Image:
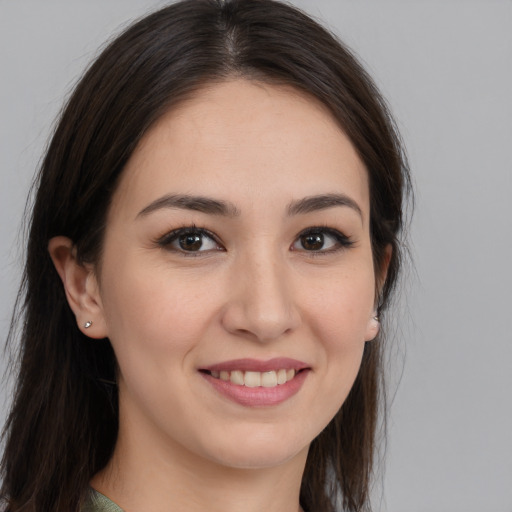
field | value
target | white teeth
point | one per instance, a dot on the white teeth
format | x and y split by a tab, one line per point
237	377
249	379
252	379
269	379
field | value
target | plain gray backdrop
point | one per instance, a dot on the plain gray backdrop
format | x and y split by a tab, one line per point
445	68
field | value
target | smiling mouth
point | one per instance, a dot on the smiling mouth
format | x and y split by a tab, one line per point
252	379
257	383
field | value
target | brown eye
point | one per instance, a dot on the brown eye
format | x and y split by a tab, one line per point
321	240
312	241
190	242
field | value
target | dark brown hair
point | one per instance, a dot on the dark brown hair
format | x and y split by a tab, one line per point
63	424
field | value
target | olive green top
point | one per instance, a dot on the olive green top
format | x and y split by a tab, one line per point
97	502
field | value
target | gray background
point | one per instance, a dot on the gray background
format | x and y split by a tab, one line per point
445	67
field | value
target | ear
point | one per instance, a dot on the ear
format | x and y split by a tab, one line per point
81	287
381	273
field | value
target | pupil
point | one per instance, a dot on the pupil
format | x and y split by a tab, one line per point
313	242
190	242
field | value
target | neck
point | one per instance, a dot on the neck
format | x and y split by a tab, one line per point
142	477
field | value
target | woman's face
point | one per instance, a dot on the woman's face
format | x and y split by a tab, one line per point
236	283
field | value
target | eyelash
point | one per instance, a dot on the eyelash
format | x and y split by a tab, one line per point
342	241
165	241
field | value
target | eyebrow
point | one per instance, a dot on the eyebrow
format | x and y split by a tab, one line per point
195	203
322	202
227	209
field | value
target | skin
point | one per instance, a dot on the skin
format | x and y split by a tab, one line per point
252	291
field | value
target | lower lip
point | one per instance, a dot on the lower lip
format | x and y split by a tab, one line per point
260	396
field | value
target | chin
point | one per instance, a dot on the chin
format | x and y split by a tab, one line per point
259	451
258	459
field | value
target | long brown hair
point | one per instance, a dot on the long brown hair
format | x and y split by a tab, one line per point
63	424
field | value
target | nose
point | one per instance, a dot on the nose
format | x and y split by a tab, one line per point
261	305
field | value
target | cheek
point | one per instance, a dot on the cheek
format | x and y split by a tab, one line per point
339	315
140	291
341	306
155	323
151	315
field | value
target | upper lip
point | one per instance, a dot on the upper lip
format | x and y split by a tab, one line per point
256	365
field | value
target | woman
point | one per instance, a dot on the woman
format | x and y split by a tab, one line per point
213	244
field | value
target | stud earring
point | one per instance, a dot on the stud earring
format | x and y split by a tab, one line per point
87	324
373	328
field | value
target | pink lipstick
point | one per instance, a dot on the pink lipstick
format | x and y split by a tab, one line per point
252	382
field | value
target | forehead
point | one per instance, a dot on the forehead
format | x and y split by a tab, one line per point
241	140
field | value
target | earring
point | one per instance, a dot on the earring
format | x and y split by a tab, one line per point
87	324
373	327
